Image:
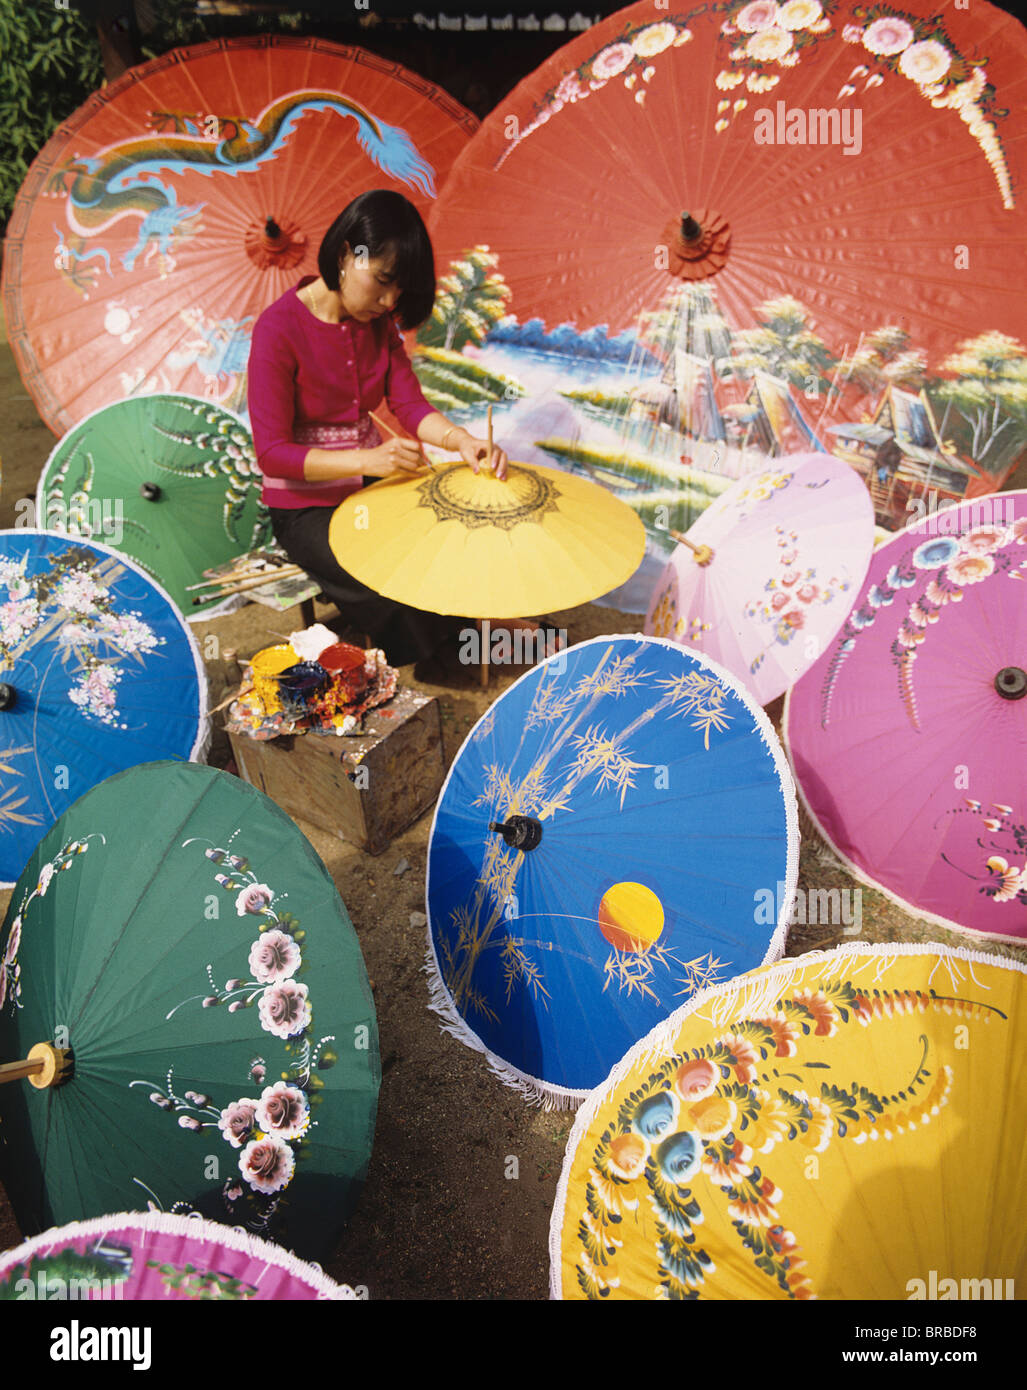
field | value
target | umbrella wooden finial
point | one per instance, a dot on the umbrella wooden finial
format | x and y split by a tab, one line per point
690	228
698	242
1011	683
273	244
45	1066
8	695
701	554
521	832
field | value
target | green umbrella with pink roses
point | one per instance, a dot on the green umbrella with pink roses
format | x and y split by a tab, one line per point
209	1036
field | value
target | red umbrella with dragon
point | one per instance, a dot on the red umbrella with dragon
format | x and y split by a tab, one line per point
176	204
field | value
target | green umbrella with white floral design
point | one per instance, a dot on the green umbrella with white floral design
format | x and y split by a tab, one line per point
169	480
210	1036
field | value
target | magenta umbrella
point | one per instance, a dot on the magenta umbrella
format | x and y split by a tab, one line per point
909	736
156	1256
764	579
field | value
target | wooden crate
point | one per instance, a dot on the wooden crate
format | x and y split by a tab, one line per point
366	789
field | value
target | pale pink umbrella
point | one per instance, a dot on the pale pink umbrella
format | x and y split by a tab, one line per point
765	578
909	736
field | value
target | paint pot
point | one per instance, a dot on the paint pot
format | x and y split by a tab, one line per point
300	684
265	666
346	666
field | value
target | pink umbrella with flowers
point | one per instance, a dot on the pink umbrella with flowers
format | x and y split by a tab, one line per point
152	1256
764	579
909	736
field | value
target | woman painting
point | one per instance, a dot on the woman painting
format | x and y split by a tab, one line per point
322	357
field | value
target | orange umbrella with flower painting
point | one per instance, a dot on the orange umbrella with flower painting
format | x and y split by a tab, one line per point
760	1143
754	229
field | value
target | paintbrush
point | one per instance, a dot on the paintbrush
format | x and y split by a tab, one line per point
396	435
258	582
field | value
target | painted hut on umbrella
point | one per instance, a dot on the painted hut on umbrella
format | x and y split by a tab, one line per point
903	457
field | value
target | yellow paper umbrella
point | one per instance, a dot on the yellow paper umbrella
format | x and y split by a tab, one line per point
463	543
834	1126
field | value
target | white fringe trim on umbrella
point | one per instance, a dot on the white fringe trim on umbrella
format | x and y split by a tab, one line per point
532	1088
196	1228
747	996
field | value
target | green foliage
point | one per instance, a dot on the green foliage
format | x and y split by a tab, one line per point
44	1271
469	302
49	65
984	409
442	400
173	24
783	345
451	383
498	386
665	496
592	399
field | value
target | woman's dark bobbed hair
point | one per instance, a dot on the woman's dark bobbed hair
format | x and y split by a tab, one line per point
388	226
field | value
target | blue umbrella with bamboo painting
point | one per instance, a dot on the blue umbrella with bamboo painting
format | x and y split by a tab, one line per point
98	672
617	832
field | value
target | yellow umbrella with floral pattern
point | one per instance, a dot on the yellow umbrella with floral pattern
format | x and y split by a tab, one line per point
833	1126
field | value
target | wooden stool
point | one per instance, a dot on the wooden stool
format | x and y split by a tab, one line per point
366	788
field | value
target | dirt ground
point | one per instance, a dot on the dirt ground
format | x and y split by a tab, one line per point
438	1218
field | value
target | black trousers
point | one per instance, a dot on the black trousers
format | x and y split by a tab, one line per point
405	634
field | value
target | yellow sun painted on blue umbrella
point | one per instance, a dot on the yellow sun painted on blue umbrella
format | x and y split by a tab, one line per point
631	917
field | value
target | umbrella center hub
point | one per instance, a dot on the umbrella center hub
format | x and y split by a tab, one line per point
697	244
520	832
455	494
275	244
8	696
1011	683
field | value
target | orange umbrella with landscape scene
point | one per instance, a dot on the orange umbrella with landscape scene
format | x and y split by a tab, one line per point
724	234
